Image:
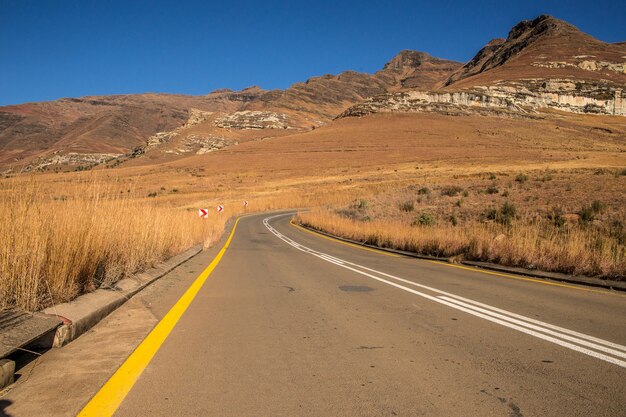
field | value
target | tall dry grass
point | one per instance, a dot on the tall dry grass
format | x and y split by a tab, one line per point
64	237
572	250
52	250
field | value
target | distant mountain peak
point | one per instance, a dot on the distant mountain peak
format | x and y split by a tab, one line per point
541	47
542	25
408	59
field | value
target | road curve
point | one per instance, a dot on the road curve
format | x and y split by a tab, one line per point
290	323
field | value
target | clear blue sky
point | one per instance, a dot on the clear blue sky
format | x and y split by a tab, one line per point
71	48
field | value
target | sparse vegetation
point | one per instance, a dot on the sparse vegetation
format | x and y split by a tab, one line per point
451	190
425	218
407	206
492	189
521	178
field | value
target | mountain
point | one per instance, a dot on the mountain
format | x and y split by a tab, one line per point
545	47
90	130
413	69
544	64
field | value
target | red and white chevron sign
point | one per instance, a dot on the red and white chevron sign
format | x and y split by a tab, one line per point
245	203
220	208
203	213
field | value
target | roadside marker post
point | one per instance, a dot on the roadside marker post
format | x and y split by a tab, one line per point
203	213
220	208
245	204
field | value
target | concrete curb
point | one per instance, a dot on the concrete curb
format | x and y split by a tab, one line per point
7	372
553	276
86	311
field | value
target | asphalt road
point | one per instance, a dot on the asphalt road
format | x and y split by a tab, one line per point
290	323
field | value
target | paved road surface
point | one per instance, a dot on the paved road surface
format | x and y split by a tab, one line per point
293	324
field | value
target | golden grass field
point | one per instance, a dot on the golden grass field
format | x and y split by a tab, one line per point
67	233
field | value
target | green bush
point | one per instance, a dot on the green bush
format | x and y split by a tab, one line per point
423	191
521	178
425	218
504	215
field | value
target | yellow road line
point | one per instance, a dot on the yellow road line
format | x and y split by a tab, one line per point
521	278
108	399
382	252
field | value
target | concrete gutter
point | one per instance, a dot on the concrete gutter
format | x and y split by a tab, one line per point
86	311
60	324
554	276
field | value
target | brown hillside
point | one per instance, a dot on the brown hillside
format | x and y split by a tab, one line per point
114	125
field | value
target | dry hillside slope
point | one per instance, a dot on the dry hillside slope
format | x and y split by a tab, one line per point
91	130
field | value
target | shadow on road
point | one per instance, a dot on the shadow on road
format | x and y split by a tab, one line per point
3	405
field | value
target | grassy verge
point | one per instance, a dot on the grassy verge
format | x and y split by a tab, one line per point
60	238
52	250
522	242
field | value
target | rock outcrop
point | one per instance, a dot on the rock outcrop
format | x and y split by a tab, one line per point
254	120
516	99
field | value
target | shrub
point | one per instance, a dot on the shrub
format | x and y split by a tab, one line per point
504	215
360	204
453	220
465	193
597	206
492	176
586	214
507	212
423	191
491	213
407	206
505	193
521	178
425	218
153	194
556	217
492	189
451	191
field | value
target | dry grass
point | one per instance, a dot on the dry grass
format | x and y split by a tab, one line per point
64	234
524	242
88	232
53	250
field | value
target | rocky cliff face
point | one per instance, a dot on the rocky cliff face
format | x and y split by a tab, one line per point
413	69
515	99
255	120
